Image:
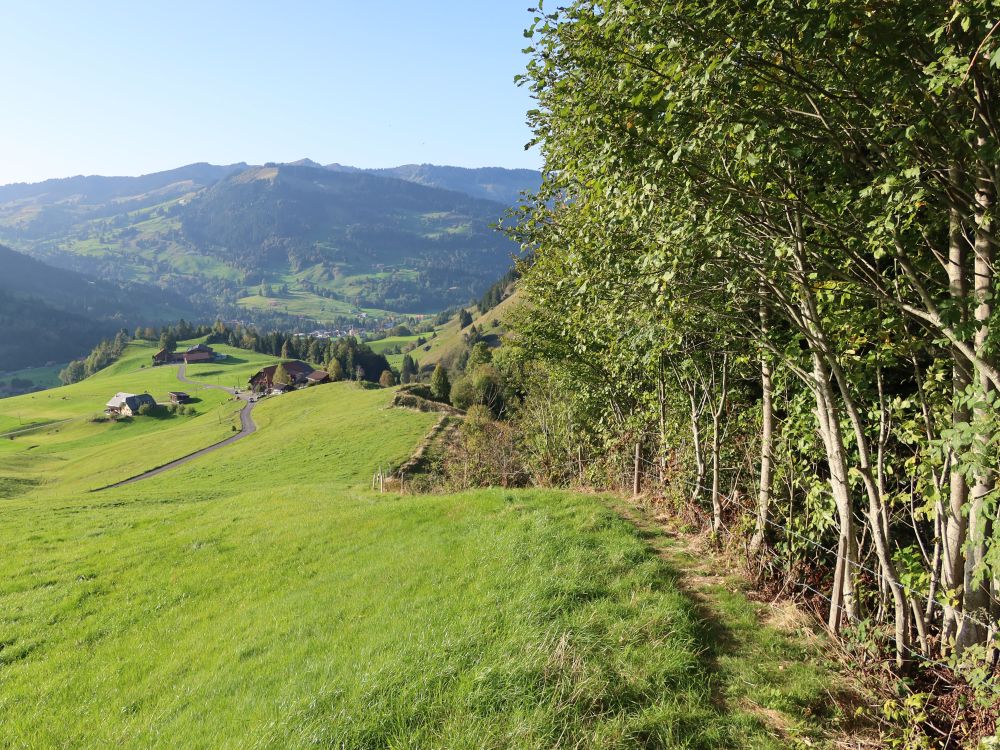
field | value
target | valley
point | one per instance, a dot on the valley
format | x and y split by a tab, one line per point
287	244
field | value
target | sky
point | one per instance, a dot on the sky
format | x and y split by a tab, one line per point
125	88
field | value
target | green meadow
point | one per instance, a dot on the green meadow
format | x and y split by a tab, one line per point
263	596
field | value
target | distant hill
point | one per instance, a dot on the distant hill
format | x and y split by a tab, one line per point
490	183
33	333
52	314
36	209
279	241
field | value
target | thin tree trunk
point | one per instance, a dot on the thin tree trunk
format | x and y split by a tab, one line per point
760	534
954	521
976	601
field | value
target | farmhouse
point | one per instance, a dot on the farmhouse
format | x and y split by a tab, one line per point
199	353
165	357
196	353
263	380
128	404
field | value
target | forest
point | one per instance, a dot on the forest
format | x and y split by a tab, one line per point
761	289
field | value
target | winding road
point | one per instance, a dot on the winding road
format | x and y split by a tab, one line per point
247	427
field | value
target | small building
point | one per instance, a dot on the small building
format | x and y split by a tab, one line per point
128	404
178	397
317	376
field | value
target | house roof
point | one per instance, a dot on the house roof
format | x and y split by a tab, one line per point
132	400
200	348
176	393
119	399
135	401
318	375
295	368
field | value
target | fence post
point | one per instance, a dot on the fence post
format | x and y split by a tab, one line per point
635	479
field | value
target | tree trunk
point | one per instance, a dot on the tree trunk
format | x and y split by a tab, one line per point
764	487
953	519
976	601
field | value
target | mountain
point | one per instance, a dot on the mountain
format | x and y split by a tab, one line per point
489	183
384	242
52	314
36	209
280	242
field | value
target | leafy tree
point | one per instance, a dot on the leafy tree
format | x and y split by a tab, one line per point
335	369
387	379
462	395
480	355
281	375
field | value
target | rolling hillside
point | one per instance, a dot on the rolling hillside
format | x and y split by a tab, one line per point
263	595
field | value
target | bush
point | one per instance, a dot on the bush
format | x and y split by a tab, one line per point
387	379
145	410
462	396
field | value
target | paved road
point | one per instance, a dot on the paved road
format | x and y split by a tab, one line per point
246	423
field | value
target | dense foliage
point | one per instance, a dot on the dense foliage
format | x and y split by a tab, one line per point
763	273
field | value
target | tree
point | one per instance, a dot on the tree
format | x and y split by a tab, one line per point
440	385
387	379
281	376
335	369
168	341
462	394
464	318
409	369
480	355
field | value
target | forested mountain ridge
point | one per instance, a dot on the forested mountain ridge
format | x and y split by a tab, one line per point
280	239
36	209
428	247
51	314
491	183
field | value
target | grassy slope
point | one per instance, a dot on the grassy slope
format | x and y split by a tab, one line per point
262	596
448	343
76	452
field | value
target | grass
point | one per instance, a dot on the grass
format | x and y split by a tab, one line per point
263	596
76	452
40	377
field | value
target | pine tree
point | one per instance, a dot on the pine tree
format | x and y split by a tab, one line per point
464	319
440	385
409	369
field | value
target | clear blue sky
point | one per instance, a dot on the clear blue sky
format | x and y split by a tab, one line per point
135	87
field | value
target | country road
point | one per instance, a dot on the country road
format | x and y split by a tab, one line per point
247	427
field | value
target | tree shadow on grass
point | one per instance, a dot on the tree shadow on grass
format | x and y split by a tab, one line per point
775	675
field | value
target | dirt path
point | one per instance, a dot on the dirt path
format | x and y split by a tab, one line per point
247	427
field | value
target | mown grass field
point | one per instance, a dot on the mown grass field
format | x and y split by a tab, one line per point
263	596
